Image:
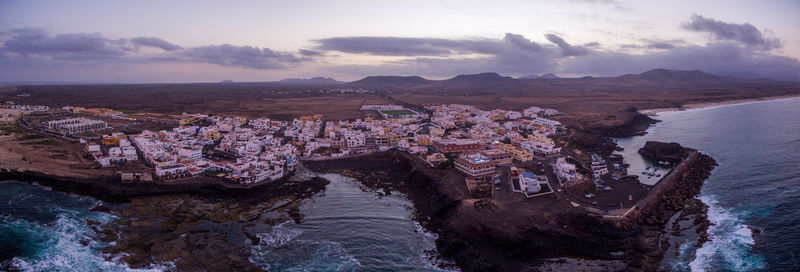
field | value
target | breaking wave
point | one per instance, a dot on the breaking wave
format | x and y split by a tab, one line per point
279	236
729	245
41	230
278	250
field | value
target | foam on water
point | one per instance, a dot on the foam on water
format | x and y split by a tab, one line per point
279	236
279	250
348	228
730	245
63	243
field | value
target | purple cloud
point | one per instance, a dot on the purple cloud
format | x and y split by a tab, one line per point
155	42
35	43
744	33
567	49
241	56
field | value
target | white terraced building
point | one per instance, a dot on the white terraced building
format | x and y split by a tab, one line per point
76	125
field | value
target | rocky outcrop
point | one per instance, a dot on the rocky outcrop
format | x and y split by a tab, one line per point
521	243
111	189
663	152
677	196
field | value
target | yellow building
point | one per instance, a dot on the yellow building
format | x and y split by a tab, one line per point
241	120
497	115
213	135
422	140
519	154
540	138
188	120
112	139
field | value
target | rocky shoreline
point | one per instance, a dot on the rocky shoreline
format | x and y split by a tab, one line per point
162	219
530	243
111	189
179	224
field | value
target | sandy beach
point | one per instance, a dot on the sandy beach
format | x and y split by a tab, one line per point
690	106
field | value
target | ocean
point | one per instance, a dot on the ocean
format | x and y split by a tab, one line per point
348	228
754	193
344	228
42	230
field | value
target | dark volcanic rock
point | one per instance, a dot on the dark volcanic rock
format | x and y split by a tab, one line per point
666	152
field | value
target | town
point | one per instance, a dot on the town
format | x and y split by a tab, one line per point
497	151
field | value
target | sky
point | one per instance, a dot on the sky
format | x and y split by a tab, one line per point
209	41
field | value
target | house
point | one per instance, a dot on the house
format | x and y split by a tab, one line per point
518	153
475	165
541	149
171	171
458	145
497	156
76	125
599	166
565	171
190	153
436	158
532	112
529	183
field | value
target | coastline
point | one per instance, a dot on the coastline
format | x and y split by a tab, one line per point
473	240
703	105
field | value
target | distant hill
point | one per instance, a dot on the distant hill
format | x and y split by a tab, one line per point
663	75
490	82
531	76
392	80
481	78
309	81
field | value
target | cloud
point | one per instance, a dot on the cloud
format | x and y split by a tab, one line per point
241	56
442	57
722	58
522	42
309	53
592	44
744	33
32	50
515	54
155	42
660	45
388	46
36	42
28	44
567	49
404	46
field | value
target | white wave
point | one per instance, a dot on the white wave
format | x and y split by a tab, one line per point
69	246
305	255
729	245
279	236
429	255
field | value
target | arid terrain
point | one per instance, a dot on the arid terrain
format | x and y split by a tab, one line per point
593	101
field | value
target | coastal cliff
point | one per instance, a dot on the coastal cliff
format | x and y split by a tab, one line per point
501	242
474	240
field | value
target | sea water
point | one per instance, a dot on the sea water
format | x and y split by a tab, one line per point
344	228
42	230
348	228
755	188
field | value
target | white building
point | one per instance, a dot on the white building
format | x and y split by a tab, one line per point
76	125
564	170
